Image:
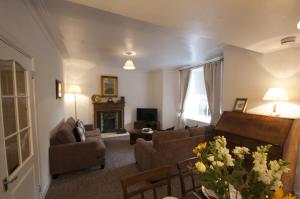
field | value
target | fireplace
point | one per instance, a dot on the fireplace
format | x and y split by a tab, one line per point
109	116
108	121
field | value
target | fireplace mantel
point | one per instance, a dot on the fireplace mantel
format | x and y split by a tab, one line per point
101	108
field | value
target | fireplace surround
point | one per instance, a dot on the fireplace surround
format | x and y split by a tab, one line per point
109	115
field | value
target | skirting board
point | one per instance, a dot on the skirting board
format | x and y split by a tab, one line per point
45	189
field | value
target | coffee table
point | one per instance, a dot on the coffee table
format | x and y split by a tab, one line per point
137	133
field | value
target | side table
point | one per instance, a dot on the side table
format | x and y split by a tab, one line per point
137	133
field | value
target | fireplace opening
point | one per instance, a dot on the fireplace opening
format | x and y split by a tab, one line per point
108	121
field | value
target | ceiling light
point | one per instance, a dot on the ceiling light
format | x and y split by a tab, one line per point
298	25
129	65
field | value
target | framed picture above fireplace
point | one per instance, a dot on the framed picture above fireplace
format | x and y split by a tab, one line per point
109	86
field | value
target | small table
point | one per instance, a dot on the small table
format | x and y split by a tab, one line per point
138	133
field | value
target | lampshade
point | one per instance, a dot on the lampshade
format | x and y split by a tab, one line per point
129	65
276	94
298	25
74	89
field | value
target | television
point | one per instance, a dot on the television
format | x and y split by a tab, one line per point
146	114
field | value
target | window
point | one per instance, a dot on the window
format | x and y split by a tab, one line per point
196	104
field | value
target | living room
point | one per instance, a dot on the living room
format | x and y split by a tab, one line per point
78	43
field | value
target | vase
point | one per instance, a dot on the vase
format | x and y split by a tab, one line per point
234	194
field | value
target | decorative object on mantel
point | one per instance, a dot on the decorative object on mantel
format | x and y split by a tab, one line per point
224	176
110	100
58	89
240	105
75	90
109	86
96	98
275	95
109	116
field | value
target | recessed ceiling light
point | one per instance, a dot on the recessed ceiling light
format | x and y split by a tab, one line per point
298	25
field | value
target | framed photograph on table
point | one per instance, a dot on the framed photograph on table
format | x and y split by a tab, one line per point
240	105
109	86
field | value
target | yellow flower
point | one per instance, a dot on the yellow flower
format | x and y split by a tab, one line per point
195	151
200	167
279	194
201	146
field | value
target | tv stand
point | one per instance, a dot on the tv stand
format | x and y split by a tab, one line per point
154	125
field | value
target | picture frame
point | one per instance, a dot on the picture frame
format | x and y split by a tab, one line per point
109	86
58	89
240	105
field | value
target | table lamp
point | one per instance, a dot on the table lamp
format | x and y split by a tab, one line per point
75	90
275	95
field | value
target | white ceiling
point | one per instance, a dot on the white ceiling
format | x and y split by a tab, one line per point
170	33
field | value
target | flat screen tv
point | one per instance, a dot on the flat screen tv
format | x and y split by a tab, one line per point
146	114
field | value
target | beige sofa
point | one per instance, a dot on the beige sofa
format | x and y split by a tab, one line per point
168	147
67	155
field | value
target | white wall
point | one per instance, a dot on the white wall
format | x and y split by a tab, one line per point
164	89
249	74
133	85
17	22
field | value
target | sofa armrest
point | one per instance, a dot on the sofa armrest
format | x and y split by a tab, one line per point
144	153
73	156
89	127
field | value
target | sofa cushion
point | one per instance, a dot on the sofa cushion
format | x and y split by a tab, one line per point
79	134
80	124
93	133
71	122
64	135
204	130
160	137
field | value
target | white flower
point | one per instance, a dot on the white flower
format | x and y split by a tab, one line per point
211	158
240	152
218	163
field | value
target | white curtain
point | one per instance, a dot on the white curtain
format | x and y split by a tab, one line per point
184	82
213	85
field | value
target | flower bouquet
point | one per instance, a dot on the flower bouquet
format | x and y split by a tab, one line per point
224	176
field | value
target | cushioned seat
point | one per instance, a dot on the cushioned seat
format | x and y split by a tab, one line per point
67	155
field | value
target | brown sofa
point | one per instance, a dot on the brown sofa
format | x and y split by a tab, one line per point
67	155
168	147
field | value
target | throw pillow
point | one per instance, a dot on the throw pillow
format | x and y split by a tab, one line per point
76	134
80	124
79	134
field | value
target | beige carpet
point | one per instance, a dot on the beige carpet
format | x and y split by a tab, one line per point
102	184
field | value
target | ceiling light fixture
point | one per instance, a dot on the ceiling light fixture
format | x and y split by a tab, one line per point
298	25
129	65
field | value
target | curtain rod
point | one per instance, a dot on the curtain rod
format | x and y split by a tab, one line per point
200	65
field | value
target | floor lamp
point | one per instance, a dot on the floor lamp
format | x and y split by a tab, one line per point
74	90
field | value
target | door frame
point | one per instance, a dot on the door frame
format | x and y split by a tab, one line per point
12	43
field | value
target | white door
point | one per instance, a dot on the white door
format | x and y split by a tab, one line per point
17	163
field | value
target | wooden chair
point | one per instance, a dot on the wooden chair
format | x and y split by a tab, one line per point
158	177
185	173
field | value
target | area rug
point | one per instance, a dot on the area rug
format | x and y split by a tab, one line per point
102	184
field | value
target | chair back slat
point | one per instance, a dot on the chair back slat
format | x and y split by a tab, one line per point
185	173
158	177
